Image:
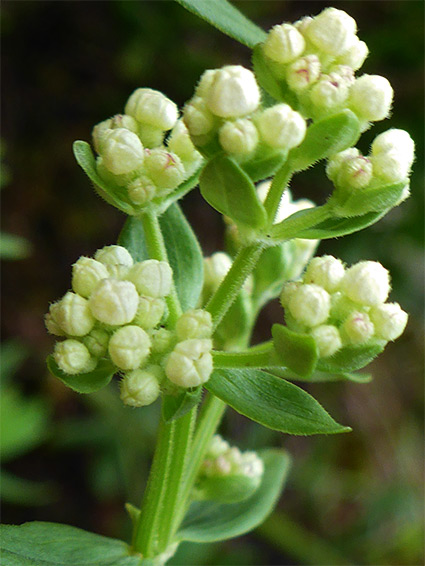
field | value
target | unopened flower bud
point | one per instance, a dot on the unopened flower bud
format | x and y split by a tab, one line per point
139	388
303	72
195	323
357	328
239	137
284	43
288	290
371	97
281	127
309	305
122	151
335	162
329	92
129	346
302	24
356	55
251	465
325	271
356	173
215	269
142	190
72	357
332	31
101	130
164	168
217	446
393	152
389	320
149	312
114	255
86	275
152	278
327	338
233	92
162	340
73	315
179	142
197	117
51	321
114	302
190	363
97	342
152	107
366	283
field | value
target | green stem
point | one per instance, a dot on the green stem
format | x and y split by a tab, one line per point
292	227
259	357
277	188
157	250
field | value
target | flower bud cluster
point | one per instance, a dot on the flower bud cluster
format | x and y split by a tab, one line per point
133	153
316	58
341	307
223	460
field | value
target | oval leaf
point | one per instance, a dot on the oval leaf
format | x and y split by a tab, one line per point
372	199
296	351
175	406
272	402
208	521
261	168
132	237
351	358
84	382
228	189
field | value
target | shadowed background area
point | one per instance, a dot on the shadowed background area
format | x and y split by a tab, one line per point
351	499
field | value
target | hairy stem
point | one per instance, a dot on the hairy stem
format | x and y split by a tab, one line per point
259	357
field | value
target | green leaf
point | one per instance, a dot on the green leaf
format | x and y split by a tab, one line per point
272	402
351	358
209	522
52	544
12	355
114	195
132	237
19	491
228	189
236	325
267	79
13	246
84	382
379	199
296	351
225	17
175	406
263	167
226	489
321	376
324	138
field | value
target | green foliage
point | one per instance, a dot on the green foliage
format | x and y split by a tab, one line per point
379	198
13	246
226	489
296	351
84	382
175	406
351	358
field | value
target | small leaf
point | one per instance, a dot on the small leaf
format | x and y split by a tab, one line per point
272	402
132	237
53	544
209	521
324	138
237	323
225	17
228	189
226	489
296	351
351	358
263	167
372	199
84	382
175	406
20	491
277	89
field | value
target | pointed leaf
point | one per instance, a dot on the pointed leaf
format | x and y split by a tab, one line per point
276	88
372	199
272	402
351	358
208	521
132	237
296	351
263	167
175	406
84	382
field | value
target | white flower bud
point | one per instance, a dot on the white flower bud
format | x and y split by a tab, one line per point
217	447
303	72
101	130
335	162
114	302
51	320
215	269
302	24
73	315
129	346
97	342
330	91
195	323
139	388
328	339
233	92
393	152
164	168
190	363
142	190
152	107
325	271
239	137
114	255
86	275
356	55
122	151
332	31
251	465
284	43
288	290
197	117
205	82
281	127
371	97
367	283
356	173
149	312
309	304
357	329
152	278
389	320
179	142
162	340
72	357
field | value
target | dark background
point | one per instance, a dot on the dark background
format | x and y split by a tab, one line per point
66	66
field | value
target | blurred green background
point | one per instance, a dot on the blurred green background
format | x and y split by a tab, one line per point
351	499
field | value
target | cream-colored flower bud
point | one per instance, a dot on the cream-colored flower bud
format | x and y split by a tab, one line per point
73	315
281	127
205	82
356	55
239	137
371	97
99	133
303	72
309	304
86	275
356	172
190	363
164	168
389	320
251	465
114	255
152	278
288	290
357	328
179	142
215	269
197	117
149	312
97	342
335	162
162	340
328	339
72	357
367	283
284	43
302	24
152	107
122	151
195	323
393	153
332	31
217	447
129	346
51	320
233	92
141	190
139	388
114	302
325	271
331	91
